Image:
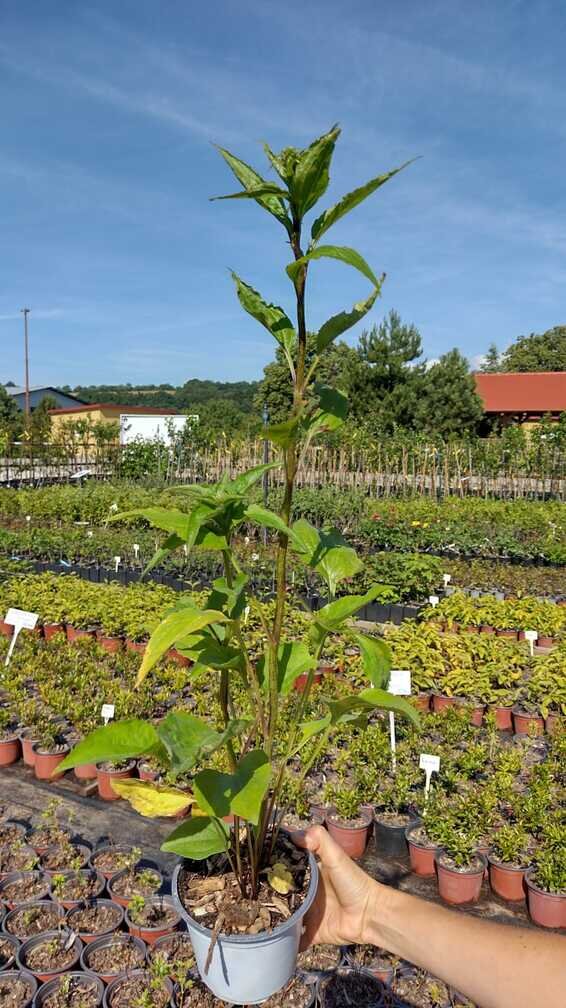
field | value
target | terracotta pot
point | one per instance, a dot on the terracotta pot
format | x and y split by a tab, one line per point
525	723
507	882
87	771
28	753
471	629
39	939
457	887
110	644
50	629
546	642
77	633
6	629
147	774
301	681
421	701
546	909
423	859
180	659
10	751
503	717
508	634
137	646
441	702
352	839
485	628
552	722
150	934
46	763
105	777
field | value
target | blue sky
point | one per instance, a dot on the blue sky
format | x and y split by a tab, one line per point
107	114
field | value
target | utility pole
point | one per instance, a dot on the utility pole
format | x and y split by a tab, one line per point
25	312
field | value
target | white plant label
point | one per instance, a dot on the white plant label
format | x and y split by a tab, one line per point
430	764
117	562
447	579
434	600
400	682
136	548
399	685
90	534
28	518
246	614
531	636
20	619
186	550
107	712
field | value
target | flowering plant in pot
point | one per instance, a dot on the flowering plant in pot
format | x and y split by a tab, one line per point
258	736
510	856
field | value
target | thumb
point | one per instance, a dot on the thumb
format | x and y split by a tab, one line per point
349	881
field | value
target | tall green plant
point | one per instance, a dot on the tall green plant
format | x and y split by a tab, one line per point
262	735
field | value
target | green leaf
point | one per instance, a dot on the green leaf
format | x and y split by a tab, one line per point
241	793
268	519
172	542
251	179
270	316
230	599
174	627
332	615
282	434
326	552
293	658
310	729
117	741
168	519
245	481
332	412
267	189
344	254
376	658
382	700
188	739
198	838
351	200
311	175
340	323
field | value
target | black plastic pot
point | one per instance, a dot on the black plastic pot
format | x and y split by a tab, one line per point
391	841
25	976
53	985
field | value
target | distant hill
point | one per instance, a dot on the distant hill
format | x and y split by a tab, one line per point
190	396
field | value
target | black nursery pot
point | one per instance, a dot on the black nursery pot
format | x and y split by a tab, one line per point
390	840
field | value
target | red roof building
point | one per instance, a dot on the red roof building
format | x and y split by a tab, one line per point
522	397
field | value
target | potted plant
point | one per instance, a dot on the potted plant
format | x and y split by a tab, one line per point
113	956
546	881
460	868
33	918
49	954
348	823
510	856
23	887
10	745
17	987
395	809
49	751
265	724
152	917
95	919
72	990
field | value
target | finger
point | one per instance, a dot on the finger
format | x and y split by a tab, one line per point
318	841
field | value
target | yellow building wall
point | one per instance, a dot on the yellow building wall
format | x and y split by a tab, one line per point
59	420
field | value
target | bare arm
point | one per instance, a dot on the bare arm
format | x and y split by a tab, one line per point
494	965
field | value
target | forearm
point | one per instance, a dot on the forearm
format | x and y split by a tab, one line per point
495	965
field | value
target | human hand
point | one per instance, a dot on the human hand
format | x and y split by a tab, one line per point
346	897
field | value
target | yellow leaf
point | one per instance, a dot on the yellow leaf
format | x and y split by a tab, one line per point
152	800
280	879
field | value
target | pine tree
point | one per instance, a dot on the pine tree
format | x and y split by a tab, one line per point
491	363
450	404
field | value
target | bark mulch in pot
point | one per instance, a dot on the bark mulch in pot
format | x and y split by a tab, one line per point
34	918
50	953
23	887
8	948
111	859
128	992
114	956
75	886
176	950
17	857
10	832
17	989
43	837
72	990
134	882
216	901
98	917
63	857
